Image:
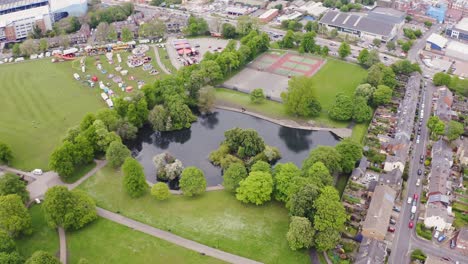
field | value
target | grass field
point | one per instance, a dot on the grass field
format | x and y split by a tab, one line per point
165	59
40	100
42	238
80	172
215	219
104	241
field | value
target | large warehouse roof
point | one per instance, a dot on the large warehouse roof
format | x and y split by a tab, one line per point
457	50
463	24
437	40
356	22
10	4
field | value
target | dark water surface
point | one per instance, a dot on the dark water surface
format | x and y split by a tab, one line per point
193	146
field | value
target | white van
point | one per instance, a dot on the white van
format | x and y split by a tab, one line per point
418	182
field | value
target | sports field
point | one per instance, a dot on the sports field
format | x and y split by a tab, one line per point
287	64
39	101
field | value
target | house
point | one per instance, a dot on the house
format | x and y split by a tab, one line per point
443	107
371	251
438	216
462	152
393	162
359	171
440	168
462	241
378	215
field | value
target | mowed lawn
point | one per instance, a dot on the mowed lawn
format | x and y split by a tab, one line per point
104	241
215	219
42	238
39	101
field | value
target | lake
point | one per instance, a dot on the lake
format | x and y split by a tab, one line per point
192	146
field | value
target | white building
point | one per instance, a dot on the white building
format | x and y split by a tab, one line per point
18	17
438	216
457	50
314	9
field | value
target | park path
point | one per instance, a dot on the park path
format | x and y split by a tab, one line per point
63	245
158	60
340	132
99	165
189	244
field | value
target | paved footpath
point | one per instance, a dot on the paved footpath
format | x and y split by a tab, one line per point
158	60
63	245
189	244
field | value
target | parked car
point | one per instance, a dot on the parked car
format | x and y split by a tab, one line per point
441	238
391	229
415	196
436	234
412	216
453	244
37	172
411	224
419	172
413	209
392	221
418	182
396	209
409	200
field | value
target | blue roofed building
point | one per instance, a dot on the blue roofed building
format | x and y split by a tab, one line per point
437	12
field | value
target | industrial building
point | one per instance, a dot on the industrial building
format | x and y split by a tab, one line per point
268	15
18	17
457	50
437	12
459	31
375	25
436	42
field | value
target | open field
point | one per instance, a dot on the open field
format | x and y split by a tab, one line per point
215	219
42	238
104	241
40	100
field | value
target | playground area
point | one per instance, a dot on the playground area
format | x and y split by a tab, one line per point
271	72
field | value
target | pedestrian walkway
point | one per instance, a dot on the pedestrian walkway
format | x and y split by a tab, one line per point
99	165
158	60
63	245
189	244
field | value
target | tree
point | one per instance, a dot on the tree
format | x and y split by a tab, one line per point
327	155
324	51
257	96
11	258
376	42
7	244
62	160
42	257
382	95
428	24
247	24
342	109
288	40
363	55
68	209
364	90
375	74
329	218
206	99
405	67
319	174
372	58
14	217
388	77
300	233
160	191
6	155
102	32
256	188
391	45
126	35
350	152
43	45
117	153
436	126
301	202
196	26
344	50
308	43
29	47
126	130
233	175
16	50
228	31
246	143
406	46
300	99
284	173
441	78
12	184
192	182
454	131
361	111
134	178
154	28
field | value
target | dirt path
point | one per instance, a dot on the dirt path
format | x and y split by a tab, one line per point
158	60
189	244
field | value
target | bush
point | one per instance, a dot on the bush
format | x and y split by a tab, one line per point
192	182
134	178
219	154
160	191
257	96
233	175
256	188
423	232
417	254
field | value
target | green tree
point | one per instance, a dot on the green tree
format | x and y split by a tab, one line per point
87	121
196	26
454	131
284	173
327	155
372	58
192	181
68	209
117	153
288	40
154	28
441	78
382	95
7	244
6	155
228	31
109	117
428	24
324	51
42	257
436	126
342	109
256	188
206	99
16	50
350	152
126	35
247	24
134	181
301	202
11	258
308	42
12	184
126	130
14	217
406	46
364	90
300	99
375	74
362	57
43	45
261	166
300	233
344	50
361	111
233	175
391	45
329	218
62	161
257	96
160	191
377	42
388	77
319	174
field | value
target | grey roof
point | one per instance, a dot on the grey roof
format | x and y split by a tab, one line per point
389	14
9	4
438	210
379	210
438	198
442	161
391	178
371	251
357	22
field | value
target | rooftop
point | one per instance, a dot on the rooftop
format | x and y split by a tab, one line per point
458	47
463	24
438	210
268	13
380	209
371	251
10	4
369	24
437	40
463	235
